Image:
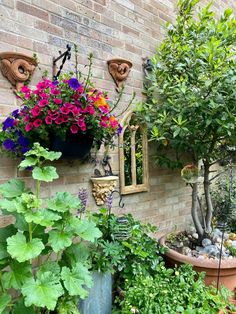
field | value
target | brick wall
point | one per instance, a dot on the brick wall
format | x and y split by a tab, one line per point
126	28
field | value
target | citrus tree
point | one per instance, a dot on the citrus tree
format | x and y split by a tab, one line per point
191	96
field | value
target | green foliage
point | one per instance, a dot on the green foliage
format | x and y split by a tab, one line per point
43	229
139	253
191	100
171	291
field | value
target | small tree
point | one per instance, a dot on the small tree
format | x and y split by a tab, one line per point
191	96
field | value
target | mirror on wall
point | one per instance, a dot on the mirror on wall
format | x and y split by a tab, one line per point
133	155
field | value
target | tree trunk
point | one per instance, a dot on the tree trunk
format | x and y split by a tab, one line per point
194	211
209	207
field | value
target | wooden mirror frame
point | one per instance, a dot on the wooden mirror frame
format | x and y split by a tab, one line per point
134	187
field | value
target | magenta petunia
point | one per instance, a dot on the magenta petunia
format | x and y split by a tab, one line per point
37	123
29	126
59	120
55	91
25	89
57	101
68	105
74	129
44	96
43	102
48	120
35	111
64	110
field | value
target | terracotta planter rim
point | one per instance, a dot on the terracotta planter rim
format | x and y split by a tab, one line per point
201	263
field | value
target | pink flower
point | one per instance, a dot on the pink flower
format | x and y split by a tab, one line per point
37	123
59	120
26	118
68	105
44	95
75	111
64	110
48	120
16	122
90	109
43	102
55	91
28	126
25	89
57	101
35	111
74	129
104	109
65	118
41	85
27	95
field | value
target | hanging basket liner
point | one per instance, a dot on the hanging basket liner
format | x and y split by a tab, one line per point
74	146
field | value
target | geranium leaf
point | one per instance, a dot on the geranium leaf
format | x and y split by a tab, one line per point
40	151
12	188
77	251
87	230
64	201
8	205
42	292
4	300
28	162
52	267
21	250
76	279
46	174
43	217
59	240
16	277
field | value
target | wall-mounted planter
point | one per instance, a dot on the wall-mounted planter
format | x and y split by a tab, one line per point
119	69
17	68
102	187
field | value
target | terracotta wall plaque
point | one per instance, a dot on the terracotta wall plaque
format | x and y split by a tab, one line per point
119	69
17	68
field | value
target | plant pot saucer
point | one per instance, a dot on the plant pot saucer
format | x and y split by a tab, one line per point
209	266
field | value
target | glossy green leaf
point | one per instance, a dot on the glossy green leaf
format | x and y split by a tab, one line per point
12	188
17	275
46	174
59	240
42	292
63	202
43	217
28	162
87	230
21	250
76	279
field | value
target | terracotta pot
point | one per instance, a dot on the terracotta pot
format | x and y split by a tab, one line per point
210	267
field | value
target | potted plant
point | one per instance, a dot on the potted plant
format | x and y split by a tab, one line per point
43	267
191	107
68	115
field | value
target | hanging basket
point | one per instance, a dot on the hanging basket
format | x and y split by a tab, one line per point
74	146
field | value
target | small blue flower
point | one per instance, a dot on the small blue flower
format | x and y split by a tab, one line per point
8	123
23	141
55	83
24	149
73	83
9	144
15	113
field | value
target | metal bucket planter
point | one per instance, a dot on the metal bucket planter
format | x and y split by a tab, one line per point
99	300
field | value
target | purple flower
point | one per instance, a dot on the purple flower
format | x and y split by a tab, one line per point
55	83
83	196
119	129
9	144
23	141
15	113
8	123
109	202
73	83
24	150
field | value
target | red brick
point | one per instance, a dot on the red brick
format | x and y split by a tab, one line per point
31	10
49	28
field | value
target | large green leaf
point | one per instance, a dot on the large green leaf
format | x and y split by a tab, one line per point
21	250
76	252
8	205
52	267
12	188
42	292
76	279
86	229
59	240
28	162
4	300
3	251
17	276
43	217
20	308
47	174
40	151
64	201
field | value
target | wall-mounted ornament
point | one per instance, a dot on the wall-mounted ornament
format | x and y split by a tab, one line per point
119	69
17	68
103	187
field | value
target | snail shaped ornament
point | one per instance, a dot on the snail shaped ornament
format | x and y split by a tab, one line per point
119	69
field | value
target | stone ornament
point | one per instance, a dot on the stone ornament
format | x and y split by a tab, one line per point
17	68
119	69
103	187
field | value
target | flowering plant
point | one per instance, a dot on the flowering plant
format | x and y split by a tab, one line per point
64	107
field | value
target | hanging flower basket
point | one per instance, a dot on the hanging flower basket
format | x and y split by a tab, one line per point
74	146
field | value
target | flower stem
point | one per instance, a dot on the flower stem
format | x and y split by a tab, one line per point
90	58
